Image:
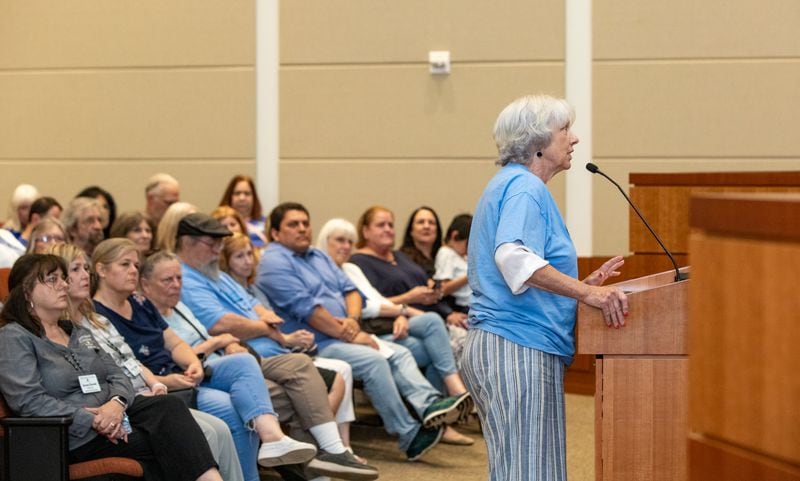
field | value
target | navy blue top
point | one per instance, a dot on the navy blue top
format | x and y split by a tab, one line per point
144	333
393	280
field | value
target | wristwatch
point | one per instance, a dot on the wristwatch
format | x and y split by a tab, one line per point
404	310
121	400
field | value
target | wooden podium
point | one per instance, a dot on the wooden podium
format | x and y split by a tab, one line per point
641	401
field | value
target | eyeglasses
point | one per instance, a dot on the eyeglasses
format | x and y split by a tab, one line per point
49	239
216	243
52	281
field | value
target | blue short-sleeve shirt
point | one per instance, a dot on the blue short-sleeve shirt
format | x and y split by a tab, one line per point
517	207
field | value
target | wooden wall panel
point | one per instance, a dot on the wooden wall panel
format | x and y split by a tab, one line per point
701	109
402	111
42	34
346	188
631	29
383	31
140	113
611	212
202	182
744	354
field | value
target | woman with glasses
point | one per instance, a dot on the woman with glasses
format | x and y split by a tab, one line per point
50	367
47	233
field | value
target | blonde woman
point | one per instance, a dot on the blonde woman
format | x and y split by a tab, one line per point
168	226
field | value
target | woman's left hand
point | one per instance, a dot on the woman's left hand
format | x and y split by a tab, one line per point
400	328
107	418
194	372
605	272
456	318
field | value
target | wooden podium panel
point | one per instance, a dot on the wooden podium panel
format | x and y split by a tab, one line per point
745	336
644	418
641	378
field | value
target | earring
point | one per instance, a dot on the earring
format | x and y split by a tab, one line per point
32	308
539	154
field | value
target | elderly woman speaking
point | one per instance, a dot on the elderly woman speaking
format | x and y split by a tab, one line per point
522	271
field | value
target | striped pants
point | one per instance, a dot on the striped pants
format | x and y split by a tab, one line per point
520	396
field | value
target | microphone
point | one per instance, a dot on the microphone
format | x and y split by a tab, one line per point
679	276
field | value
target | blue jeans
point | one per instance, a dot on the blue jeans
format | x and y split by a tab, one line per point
236	393
386	382
429	343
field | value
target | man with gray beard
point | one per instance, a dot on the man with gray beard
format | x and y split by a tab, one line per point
223	306
83	222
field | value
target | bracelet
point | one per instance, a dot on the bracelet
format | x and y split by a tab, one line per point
159	384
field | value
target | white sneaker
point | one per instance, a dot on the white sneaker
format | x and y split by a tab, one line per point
285	451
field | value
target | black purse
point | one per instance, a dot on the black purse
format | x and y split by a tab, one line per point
378	325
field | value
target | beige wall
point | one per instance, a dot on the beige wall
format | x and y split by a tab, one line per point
363	122
691	86
110	93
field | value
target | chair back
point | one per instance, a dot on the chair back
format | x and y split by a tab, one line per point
4	272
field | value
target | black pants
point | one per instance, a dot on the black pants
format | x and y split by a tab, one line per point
165	440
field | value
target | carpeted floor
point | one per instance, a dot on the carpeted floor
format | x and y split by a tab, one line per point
447	462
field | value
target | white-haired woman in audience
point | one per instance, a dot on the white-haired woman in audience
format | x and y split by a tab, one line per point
423	333
19	207
233	390
52	367
47	233
136	227
167	230
81	312
240	259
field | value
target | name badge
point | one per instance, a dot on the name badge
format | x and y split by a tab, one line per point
132	366
89	383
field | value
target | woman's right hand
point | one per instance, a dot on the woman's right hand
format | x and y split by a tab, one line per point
422	295
612	301
177	381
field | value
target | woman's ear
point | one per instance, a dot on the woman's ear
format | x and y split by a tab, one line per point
100	270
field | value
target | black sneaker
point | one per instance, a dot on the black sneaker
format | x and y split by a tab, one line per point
343	465
445	411
424	441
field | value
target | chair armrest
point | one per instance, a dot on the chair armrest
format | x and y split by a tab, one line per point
36	448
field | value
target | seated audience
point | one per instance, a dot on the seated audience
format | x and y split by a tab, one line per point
19	208
310	292
51	367
239	259
82	221
108	208
47	233
41	208
233	389
136	227
168	227
162	190
451	264
81	312
163	266
242	196
423	333
393	273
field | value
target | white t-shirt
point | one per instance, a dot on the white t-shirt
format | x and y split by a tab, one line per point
374	299
451	266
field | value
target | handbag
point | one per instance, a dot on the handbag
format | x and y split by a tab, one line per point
378	325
